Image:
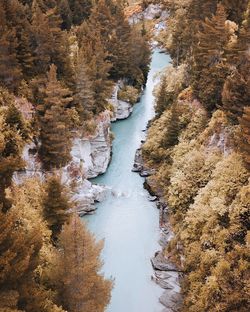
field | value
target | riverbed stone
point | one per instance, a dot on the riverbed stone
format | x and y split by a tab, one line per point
159	262
171	300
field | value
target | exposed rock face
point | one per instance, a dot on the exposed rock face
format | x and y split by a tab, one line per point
90	157
121	109
93	153
87	194
153	11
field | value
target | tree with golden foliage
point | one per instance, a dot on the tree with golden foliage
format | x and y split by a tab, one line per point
54	134
245	131
56	205
209	70
82	287
19	255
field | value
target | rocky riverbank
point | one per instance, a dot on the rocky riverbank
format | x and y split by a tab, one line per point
166	274
91	156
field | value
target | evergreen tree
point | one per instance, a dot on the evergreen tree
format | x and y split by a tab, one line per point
140	58
11	145
80	9
19	250
14	119
172	129
245	128
56	205
42	40
209	70
98	66
162	100
236	91
65	13
78	270
10	73
84	95
25	54
54	134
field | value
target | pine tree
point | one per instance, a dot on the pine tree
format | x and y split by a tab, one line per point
84	95
10	73
19	250
65	13
14	119
236	90
162	100
25	54
172	129
78	270
42	40
11	145
140	58
96	58
56	205
209	70
245	130
54	134
80	9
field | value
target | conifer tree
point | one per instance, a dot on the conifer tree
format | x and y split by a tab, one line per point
54	134
98	69
81	10
56	205
172	129
11	145
42	39
14	119
162	100
65	13
245	128
236	90
10	73
79	270
209	71
25	55
19	250
84	95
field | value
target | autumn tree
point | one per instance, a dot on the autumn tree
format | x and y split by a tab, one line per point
56	205
79	267
10	73
84	93
245	128
11	145
19	250
236	90
209	70
98	66
172	129
162	100
54	134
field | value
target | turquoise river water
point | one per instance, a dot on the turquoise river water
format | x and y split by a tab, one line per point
127	220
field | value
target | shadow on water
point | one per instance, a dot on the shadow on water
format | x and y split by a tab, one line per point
127	220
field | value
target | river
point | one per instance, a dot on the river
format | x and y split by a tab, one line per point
127	220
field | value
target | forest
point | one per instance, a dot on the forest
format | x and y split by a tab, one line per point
59	62
199	144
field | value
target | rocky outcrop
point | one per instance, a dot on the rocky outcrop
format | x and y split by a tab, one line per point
153	11
90	157
87	194
93	153
121	109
